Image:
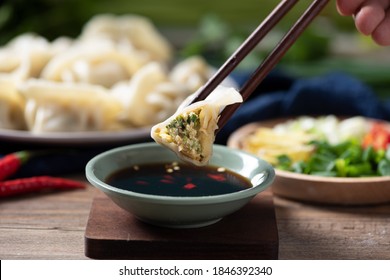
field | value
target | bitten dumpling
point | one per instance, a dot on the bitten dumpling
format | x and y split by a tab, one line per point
190	132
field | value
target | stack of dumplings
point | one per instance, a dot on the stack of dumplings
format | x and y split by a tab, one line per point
119	74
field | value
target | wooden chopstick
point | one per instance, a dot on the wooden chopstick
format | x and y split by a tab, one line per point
269	62
246	47
274	57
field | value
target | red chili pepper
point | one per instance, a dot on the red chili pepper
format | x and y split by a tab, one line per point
38	183
11	163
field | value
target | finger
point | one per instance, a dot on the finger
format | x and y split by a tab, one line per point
348	7
381	34
371	14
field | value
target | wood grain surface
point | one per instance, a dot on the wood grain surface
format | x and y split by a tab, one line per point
52	226
249	233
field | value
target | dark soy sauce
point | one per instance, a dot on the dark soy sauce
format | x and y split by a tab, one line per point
173	179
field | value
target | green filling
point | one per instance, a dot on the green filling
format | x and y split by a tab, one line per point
184	130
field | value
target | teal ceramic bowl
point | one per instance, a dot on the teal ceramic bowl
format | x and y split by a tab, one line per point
182	211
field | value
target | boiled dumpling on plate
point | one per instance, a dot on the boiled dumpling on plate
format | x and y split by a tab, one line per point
25	56
65	107
149	96
192	72
190	132
133	30
11	106
95	62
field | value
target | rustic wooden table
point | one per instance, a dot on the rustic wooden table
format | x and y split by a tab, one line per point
52	226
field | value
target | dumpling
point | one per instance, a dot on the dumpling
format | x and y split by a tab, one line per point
63	107
192	72
95	62
11	106
26	55
134	30
149	97
190	132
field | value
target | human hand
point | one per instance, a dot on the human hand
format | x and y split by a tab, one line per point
372	17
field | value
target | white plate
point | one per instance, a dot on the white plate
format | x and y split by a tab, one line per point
76	138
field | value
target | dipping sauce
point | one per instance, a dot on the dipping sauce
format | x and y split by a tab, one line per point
174	179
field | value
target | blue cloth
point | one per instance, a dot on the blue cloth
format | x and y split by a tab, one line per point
335	93
279	95
59	162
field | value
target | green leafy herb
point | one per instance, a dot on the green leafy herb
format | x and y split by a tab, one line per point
346	159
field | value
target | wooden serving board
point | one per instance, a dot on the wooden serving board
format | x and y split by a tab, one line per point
250	233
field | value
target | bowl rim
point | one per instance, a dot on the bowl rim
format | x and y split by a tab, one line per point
161	199
318	178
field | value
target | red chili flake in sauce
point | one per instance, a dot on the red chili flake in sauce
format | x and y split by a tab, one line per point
144	183
217	177
166	181
189	186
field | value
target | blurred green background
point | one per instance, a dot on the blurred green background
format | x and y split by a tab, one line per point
214	28
53	17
